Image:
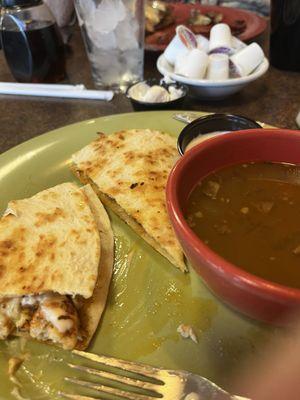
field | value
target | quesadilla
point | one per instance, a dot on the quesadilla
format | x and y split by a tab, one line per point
129	171
56	258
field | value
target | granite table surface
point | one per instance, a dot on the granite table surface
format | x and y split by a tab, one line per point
274	99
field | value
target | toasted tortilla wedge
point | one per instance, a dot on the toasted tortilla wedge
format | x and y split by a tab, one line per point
93	307
50	244
129	171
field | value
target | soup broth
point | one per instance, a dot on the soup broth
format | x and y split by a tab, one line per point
250	215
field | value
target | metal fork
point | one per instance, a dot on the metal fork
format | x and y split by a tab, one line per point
151	383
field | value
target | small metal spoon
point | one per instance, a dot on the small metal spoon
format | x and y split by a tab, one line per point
186	117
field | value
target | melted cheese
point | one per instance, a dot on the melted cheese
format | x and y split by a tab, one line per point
10	211
29	301
15	312
52	314
53	310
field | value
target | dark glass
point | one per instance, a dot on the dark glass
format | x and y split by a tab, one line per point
36	54
285	34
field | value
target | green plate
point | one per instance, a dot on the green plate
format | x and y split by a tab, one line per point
148	297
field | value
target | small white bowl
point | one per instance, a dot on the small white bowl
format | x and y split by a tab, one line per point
208	89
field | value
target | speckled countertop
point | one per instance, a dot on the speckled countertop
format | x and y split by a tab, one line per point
274	99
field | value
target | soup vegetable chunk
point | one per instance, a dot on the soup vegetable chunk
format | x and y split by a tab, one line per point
250	215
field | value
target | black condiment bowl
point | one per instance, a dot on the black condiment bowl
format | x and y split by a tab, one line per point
166	105
213	123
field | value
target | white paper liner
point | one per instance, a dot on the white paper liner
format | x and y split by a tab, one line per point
218	67
246	60
220	39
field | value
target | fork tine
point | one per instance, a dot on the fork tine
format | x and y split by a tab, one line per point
110	390
117	378
141	369
76	396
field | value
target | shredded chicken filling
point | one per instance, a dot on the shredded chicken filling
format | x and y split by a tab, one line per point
48	317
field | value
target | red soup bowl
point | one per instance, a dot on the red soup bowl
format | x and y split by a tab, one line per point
253	296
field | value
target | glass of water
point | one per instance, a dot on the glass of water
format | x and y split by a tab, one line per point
113	32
